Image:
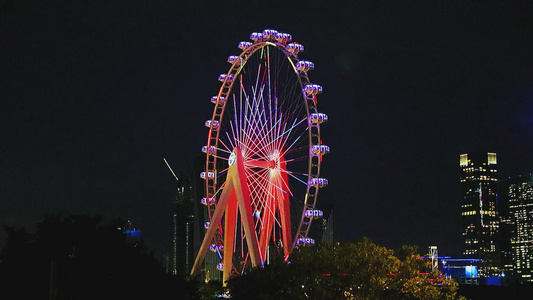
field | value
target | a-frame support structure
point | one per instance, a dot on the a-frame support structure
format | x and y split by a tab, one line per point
235	195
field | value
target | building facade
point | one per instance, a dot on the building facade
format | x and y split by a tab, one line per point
517	225
479	209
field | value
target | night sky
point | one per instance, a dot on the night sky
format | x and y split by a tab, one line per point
93	95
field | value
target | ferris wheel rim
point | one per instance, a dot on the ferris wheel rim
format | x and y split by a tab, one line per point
313	131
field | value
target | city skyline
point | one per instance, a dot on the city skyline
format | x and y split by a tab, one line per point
95	95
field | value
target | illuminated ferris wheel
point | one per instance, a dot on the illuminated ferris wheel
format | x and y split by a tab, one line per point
263	155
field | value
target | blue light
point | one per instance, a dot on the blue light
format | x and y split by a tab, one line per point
133	234
470	271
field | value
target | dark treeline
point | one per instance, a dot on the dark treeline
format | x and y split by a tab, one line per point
81	257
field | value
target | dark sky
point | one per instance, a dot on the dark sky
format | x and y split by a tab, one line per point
93	94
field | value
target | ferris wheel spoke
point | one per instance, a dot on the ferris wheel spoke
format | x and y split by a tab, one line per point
234	131
296	177
222	173
248	146
221	157
256	138
240	119
219	190
296	140
281	138
272	120
266	142
269	88
225	149
268	194
254	88
268	135
300	158
257	129
230	140
251	119
259	188
284	188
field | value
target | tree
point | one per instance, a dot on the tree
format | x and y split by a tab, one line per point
416	280
81	257
360	270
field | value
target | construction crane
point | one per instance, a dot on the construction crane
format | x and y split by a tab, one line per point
172	171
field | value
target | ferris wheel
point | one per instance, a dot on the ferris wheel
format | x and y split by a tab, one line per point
263	155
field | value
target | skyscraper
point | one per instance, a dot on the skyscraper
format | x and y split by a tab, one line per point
479	209
517	220
327	225
322	228
183	229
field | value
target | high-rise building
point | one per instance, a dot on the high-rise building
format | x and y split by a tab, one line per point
182	229
327	225
322	227
479	209
517	225
504	232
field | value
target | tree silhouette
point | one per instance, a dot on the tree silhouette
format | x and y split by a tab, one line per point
80	257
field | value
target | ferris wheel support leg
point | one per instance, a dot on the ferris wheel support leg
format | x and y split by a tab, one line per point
210	234
268	218
284	210
235	191
229	237
242	191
